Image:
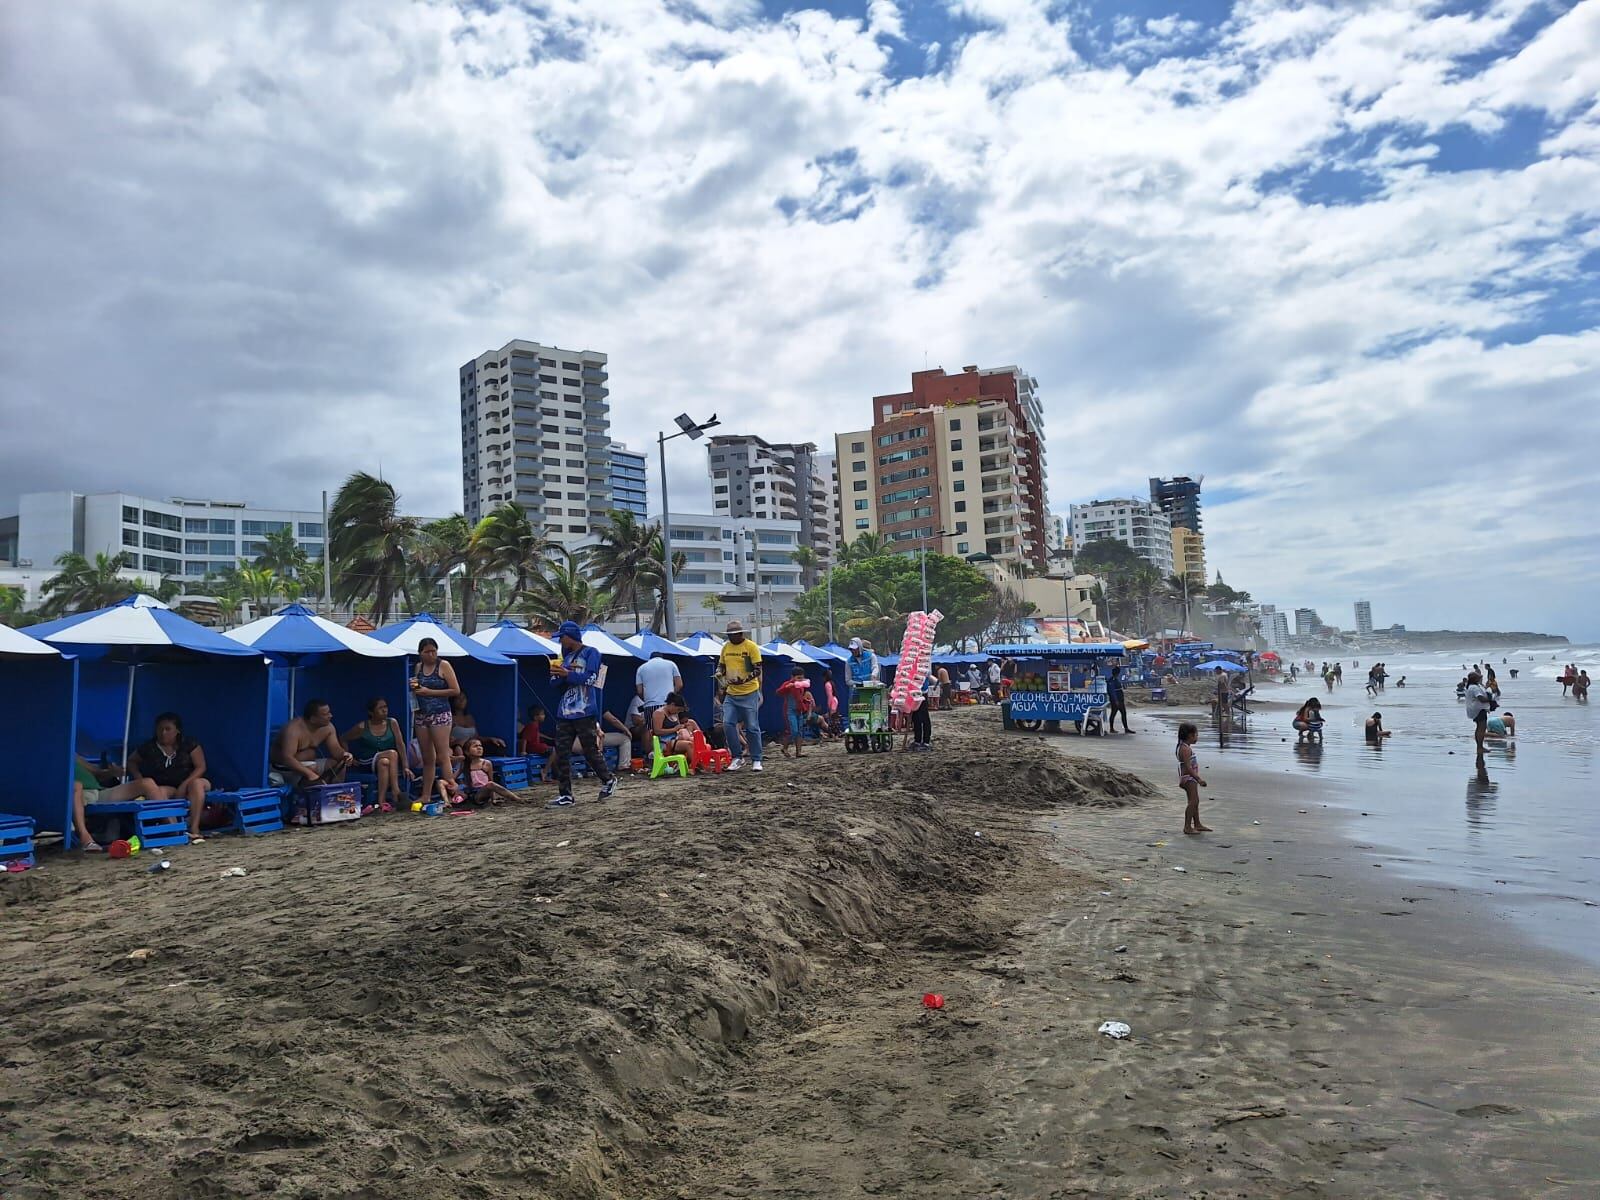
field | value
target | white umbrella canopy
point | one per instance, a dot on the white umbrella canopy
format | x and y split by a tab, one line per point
13	641
296	630
701	644
609	646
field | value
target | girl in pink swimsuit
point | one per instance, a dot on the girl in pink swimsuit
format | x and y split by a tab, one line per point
1189	778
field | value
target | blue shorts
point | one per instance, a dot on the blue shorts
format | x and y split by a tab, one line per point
796	724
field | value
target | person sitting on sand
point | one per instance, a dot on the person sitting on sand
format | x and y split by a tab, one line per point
1308	718
309	750
672	724
376	745
477	774
1189	778
104	785
1375	729
1501	725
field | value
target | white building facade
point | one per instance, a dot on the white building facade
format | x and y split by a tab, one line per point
784	481
735	568
189	539
1274	627
1138	524
536	429
1364	618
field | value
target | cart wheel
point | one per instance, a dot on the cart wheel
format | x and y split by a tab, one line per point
852	744
1029	726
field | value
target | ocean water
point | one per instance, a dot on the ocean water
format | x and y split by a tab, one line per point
1524	830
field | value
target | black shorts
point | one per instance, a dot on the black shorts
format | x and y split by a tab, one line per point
1482	718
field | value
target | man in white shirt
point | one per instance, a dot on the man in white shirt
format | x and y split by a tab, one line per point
1478	706
656	680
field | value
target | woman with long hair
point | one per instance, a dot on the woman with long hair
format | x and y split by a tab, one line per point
432	686
177	765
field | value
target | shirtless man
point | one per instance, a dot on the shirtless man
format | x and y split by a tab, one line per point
309	750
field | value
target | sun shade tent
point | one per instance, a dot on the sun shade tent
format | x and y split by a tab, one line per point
138	658
488	678
313	657
697	670
621	662
702	644
777	659
37	781
838	673
1230	667
531	652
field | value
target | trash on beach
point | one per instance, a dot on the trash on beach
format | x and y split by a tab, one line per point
233	873
140	954
568	842
1181	870
1105	893
163	865
977	833
932	1000
1115	1029
1302	812
1255	822
1119	950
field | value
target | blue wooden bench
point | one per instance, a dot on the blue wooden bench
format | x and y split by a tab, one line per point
157	822
16	841
510	772
254	810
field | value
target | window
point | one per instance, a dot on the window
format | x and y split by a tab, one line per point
570	382
859	465
862	523
955	424
262	528
916	493
547	379
961	547
961	527
163	521
130	537
720	490
160	541
958	486
166	566
960	506
958	465
310	529
955	443
566	366
905	435
859	485
857	447
195	525
223	525
861	505
130	514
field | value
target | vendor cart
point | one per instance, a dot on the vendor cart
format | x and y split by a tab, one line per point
1058	683
868	729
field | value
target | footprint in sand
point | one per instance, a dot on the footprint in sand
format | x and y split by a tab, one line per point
1488	1110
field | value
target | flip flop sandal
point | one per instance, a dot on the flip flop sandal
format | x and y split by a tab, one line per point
93	847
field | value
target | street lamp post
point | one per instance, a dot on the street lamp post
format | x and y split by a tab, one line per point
1065	559
687	427
940	534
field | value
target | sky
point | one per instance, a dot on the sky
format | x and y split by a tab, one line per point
1341	259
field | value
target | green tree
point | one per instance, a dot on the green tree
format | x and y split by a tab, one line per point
10	606
509	542
624	556
448	544
806	559
281	554
879	617
563	592
83	586
369	544
865	546
955	587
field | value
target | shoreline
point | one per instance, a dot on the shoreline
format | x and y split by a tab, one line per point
705	990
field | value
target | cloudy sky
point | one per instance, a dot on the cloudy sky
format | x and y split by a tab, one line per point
1340	258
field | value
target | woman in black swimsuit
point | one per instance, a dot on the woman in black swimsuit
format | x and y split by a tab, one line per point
675	730
177	765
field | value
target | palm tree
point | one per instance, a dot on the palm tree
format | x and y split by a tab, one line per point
369	543
622	558
879	617
806	559
447	544
563	593
281	554
865	546
168	589
650	576
509	542
10	605
83	586
259	584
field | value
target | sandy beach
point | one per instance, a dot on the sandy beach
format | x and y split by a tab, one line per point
714	988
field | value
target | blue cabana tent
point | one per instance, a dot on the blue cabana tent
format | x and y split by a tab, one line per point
622	666
489	679
778	659
313	657
838	673
37	782
697	670
138	658
532	653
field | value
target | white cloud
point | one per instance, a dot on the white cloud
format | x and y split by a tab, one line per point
280	228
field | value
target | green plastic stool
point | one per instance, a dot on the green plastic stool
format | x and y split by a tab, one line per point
661	763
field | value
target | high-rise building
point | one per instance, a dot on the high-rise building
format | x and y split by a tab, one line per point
627	481
1179	498
735	567
1143	527
961	453
1274	627
1364	617
536	428
1189	555
183	537
779	481
828	470
1306	622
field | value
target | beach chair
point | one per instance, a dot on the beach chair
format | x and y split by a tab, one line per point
157	823
707	757
16	842
661	764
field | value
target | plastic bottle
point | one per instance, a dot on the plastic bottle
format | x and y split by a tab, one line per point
159	867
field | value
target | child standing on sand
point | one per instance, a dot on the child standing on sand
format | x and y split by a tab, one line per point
797	706
1189	776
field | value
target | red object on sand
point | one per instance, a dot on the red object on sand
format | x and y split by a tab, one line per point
932	1000
118	848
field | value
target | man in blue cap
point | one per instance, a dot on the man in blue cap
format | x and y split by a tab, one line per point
578	713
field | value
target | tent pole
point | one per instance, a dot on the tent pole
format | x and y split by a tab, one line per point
127	723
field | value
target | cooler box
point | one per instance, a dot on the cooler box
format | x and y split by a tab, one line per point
327	804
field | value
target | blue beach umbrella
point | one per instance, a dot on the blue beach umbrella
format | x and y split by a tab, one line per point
646	643
1231	667
508	638
295	636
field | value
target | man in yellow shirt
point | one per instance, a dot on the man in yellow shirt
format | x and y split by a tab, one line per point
739	681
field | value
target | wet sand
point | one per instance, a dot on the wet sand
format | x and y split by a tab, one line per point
713	989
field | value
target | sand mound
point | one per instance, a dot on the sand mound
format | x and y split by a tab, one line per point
509	1004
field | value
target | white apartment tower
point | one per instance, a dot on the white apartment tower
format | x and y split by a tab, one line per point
1364	617
536	429
778	481
1144	527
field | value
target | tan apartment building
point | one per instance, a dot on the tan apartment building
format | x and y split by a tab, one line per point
1189	555
959	453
